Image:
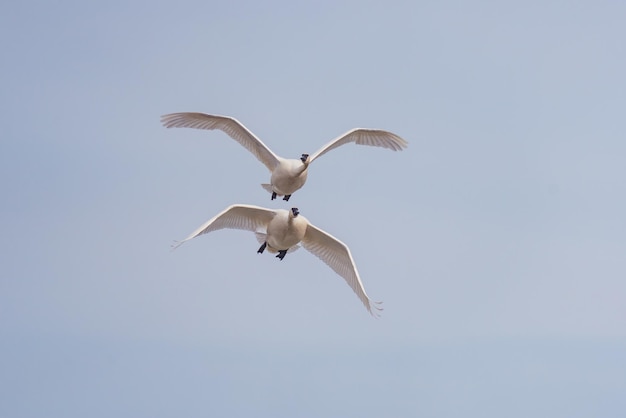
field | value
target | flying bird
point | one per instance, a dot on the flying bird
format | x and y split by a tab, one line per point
282	231
288	175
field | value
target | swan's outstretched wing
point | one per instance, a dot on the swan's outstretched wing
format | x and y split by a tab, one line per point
246	217
231	126
360	136
337	256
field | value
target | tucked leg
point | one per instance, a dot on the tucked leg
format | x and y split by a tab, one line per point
287	196
262	248
273	195
282	254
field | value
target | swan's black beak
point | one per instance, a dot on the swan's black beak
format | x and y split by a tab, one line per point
295	212
304	157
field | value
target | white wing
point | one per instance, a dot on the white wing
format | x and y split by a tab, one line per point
360	136
337	256
246	217
231	126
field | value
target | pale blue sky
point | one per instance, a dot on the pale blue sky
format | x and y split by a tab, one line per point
496	240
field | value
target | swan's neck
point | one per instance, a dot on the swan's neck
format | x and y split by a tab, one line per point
301	168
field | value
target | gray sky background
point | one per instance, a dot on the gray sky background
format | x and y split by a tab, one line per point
496	240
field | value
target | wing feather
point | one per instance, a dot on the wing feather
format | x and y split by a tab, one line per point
246	217
361	136
338	257
230	126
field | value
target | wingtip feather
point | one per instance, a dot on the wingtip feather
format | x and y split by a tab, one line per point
176	244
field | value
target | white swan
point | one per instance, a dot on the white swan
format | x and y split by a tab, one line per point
288	175
280	231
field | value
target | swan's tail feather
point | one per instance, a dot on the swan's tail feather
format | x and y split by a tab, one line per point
260	236
267	187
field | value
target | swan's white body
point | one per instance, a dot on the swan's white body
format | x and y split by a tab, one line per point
284	231
281	231
288	175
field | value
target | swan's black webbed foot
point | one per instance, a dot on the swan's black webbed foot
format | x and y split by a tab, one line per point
286	198
262	248
282	254
273	195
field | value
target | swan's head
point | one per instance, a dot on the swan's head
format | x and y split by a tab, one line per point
305	158
294	212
